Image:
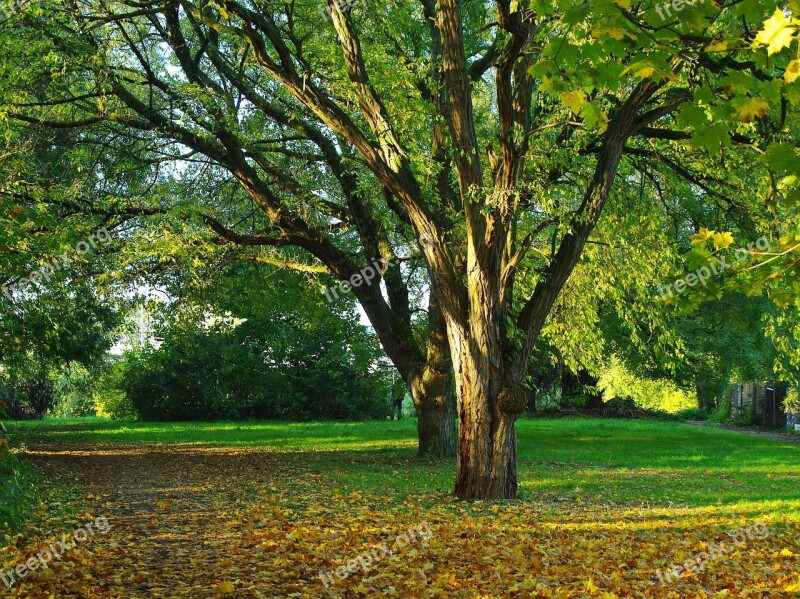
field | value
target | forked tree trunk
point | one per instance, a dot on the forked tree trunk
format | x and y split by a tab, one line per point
487	443
489	401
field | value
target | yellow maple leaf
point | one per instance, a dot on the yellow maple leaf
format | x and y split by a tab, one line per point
786	553
792	71
703	235
777	33
751	109
722	240
573	100
224	588
607	27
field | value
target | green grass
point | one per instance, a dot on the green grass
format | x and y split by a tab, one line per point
566	462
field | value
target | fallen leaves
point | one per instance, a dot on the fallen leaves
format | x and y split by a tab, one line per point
205	522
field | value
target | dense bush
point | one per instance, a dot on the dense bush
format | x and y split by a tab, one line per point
111	401
29	395
273	370
17	492
660	395
695	414
74	392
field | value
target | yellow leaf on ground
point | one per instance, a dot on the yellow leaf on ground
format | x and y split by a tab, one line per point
224	588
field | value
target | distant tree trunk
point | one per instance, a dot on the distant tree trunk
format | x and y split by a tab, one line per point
703	399
432	391
436	418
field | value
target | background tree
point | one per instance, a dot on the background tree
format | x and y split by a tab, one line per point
252	343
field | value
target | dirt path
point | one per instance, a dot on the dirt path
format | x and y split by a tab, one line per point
176	522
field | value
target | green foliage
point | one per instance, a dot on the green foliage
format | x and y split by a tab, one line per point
651	394
792	401
219	375
258	343
743	419
75	392
722	413
48	343
110	401
17	490
30	394
692	414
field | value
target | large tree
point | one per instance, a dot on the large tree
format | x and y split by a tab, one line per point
485	138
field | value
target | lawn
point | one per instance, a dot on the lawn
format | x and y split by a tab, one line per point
264	509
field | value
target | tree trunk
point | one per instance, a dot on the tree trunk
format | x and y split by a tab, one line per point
701	388
487	442
436	425
432	390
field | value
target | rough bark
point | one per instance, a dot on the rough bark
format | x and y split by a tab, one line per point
436	417
432	390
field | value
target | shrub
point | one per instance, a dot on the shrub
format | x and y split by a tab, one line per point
30	395
692	414
236	375
110	401
74	391
723	412
17	491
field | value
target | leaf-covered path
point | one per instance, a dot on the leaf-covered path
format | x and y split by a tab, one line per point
193	521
